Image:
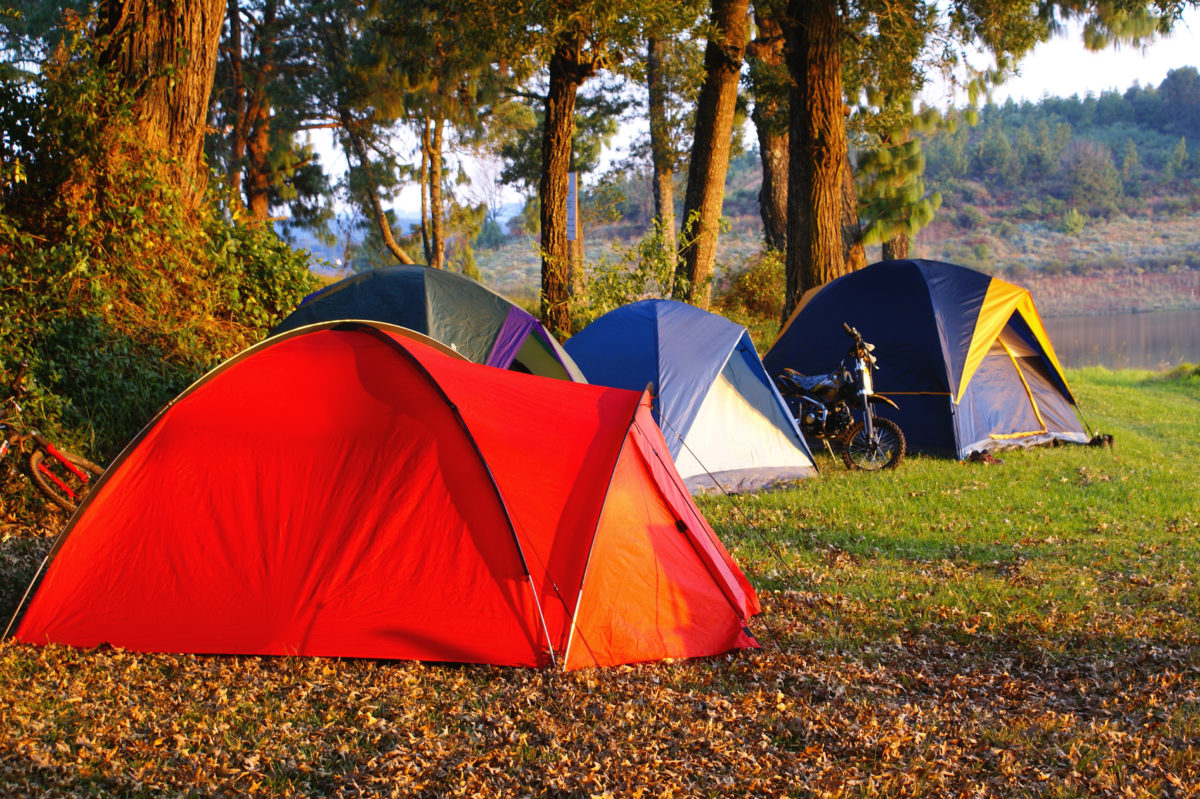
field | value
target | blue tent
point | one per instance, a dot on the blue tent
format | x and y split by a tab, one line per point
964	354
725	423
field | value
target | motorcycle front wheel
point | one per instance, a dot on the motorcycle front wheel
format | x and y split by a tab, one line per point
884	451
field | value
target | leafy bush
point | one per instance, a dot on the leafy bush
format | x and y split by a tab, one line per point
753	296
491	235
1185	373
117	293
971	218
1006	230
1072	222
644	270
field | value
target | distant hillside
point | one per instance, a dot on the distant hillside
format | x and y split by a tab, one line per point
1098	194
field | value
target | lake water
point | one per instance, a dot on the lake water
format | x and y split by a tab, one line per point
1157	340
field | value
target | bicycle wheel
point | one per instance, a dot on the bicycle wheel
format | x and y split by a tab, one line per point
884	452
56	481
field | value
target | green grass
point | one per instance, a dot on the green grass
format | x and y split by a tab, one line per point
1029	628
1049	549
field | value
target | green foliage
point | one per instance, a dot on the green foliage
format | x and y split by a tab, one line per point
491	235
643	270
753	296
1100	154
1091	177
1072	222
893	199
117	293
1186	374
1176	162
971	218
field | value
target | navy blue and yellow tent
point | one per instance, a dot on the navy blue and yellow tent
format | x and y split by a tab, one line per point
965	355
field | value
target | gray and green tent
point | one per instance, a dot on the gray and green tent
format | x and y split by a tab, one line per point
459	312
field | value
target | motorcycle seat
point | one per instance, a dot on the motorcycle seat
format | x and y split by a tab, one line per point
806	382
812	382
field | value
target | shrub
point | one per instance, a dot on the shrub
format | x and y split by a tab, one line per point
1030	209
1017	271
1072	222
118	296
644	270
971	218
753	294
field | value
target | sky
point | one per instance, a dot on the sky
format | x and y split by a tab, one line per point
1062	66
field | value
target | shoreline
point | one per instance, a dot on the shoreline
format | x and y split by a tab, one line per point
1112	294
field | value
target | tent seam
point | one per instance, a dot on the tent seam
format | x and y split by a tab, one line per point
420	367
596	526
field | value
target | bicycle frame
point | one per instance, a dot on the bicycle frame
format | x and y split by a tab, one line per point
83	476
13	431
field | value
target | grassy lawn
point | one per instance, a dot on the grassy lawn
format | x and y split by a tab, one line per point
1028	628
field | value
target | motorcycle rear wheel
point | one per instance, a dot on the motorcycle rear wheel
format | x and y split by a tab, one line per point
885	452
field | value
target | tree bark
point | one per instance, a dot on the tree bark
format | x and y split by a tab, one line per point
237	144
663	180
705	193
770	116
896	248
166	53
260	176
360	153
854	254
817	151
575	245
433	214
437	211
423	179
568	71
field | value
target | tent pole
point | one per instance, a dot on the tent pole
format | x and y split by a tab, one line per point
420	368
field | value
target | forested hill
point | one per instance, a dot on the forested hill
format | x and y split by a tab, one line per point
1133	154
1072	185
1065	193
1115	153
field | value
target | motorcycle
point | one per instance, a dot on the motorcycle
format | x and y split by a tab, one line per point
825	408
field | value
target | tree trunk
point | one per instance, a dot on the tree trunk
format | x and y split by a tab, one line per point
433	214
166	52
423	179
237	144
710	151
768	77
896	248
260	174
854	254
437	213
360	153
663	180
575	235
817	151
259	177
567	73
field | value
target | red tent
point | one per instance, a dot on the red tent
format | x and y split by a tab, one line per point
343	490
